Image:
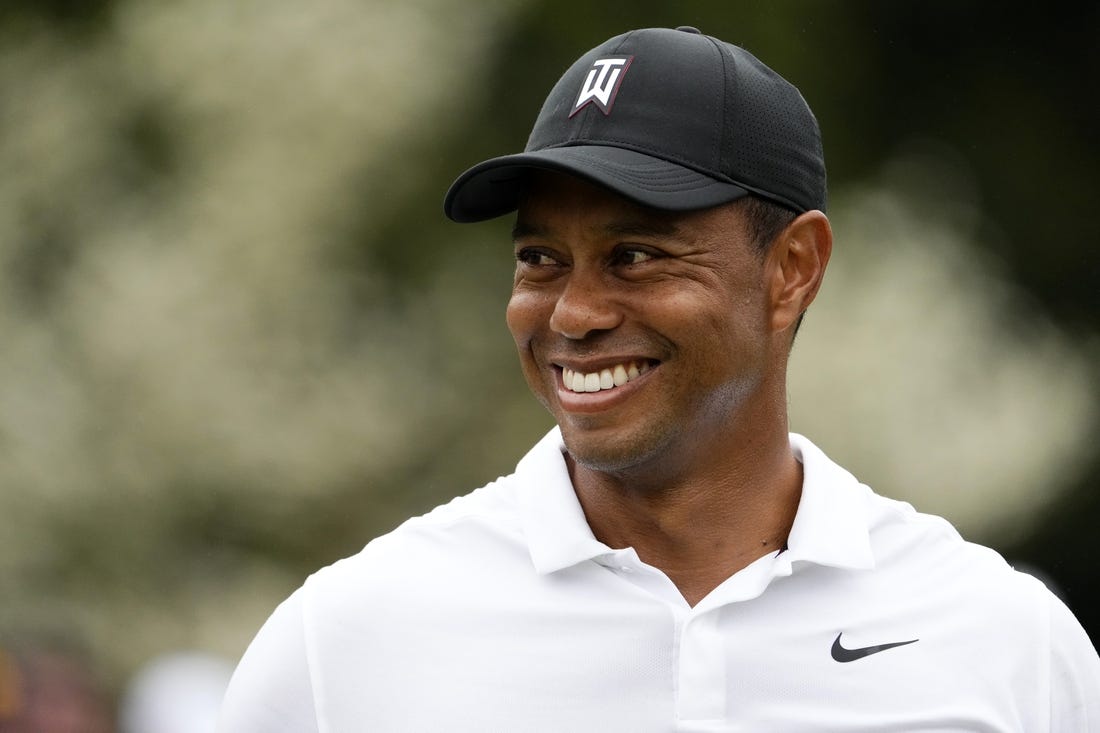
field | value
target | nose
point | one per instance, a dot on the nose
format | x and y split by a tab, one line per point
584	307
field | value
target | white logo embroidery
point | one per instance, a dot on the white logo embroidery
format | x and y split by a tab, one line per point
602	83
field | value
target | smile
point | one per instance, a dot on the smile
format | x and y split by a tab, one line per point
605	379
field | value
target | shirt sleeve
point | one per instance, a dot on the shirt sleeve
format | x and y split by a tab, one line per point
271	691
1074	674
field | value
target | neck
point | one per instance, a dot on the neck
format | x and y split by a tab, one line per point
701	526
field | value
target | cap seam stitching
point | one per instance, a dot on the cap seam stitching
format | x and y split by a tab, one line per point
720	157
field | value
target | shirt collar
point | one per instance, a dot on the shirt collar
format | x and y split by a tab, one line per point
830	526
558	535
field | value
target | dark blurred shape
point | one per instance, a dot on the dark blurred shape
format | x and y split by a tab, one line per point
80	16
51	687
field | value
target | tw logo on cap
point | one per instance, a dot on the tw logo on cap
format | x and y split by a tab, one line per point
602	83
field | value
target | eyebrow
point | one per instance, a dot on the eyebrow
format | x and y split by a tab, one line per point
625	227
522	230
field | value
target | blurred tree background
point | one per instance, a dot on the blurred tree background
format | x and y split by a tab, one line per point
238	338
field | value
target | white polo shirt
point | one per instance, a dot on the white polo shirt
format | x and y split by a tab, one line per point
501	612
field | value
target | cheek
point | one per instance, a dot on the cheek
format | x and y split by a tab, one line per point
722	327
525	318
524	315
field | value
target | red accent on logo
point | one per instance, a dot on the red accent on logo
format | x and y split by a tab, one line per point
601	84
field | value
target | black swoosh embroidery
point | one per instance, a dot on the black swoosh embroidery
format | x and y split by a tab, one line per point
841	654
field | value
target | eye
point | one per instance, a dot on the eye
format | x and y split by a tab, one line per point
633	256
535	258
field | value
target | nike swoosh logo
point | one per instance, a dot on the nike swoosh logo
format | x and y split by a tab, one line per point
841	654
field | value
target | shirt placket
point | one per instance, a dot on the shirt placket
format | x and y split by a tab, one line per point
701	671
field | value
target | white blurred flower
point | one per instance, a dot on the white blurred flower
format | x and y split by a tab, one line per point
926	372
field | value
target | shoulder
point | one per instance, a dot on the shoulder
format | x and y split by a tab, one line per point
470	539
974	613
904	545
271	690
311	641
971	597
456	545
918	565
931	558
927	543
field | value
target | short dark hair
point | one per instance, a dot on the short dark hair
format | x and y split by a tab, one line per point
766	220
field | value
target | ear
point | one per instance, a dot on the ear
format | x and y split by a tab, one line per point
796	266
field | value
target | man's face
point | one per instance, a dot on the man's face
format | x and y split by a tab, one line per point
646	334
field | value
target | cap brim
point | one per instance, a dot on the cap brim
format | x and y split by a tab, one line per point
494	188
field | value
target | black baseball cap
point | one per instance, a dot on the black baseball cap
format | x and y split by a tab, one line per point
670	119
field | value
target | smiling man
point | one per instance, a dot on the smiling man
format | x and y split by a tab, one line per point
669	557
659	341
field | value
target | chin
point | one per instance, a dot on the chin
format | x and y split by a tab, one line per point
614	454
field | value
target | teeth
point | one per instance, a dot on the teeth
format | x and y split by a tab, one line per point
610	378
576	382
606	380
